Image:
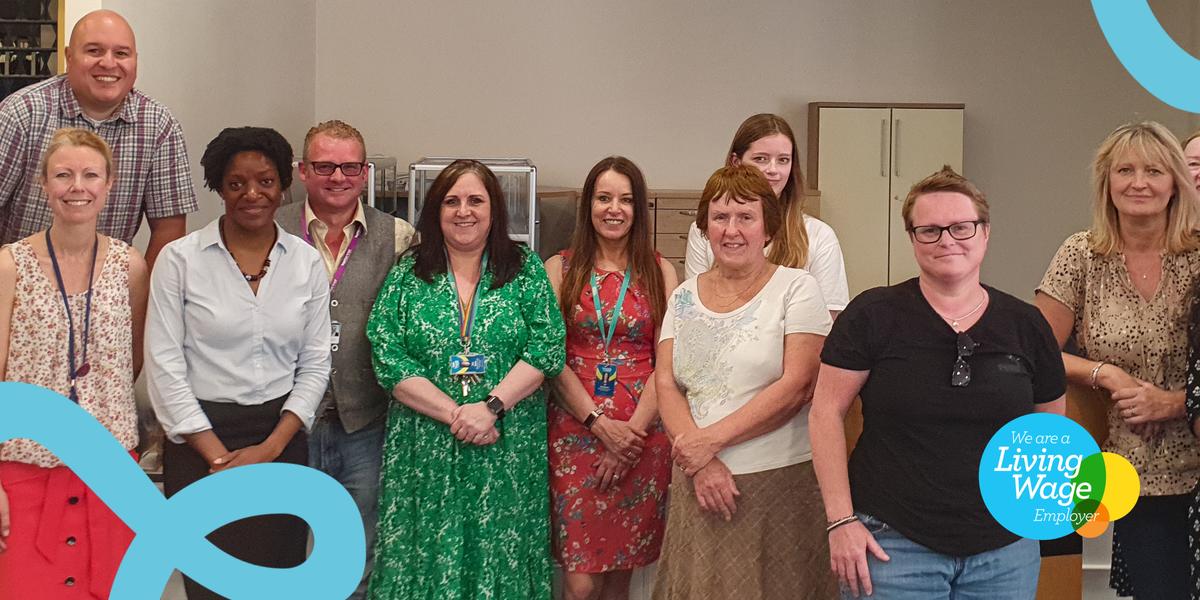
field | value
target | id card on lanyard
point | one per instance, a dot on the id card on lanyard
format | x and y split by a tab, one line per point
335	333
605	384
467	367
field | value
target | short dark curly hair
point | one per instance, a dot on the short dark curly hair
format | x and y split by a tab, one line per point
233	140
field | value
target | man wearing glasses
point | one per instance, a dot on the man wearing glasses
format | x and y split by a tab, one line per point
359	244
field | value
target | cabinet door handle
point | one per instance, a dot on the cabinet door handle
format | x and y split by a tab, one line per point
883	146
896	152
683	237
688	213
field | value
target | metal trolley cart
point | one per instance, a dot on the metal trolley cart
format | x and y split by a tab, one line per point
518	179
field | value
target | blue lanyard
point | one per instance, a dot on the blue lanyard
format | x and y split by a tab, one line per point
607	335
87	316
466	312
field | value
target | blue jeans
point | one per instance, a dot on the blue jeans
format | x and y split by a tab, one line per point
918	573
353	459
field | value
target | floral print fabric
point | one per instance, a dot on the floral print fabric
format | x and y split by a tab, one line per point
459	521
622	528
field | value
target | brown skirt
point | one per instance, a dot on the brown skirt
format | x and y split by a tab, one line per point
775	547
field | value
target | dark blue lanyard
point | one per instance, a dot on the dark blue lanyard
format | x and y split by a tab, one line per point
83	369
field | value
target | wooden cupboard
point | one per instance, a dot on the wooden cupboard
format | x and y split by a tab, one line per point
864	158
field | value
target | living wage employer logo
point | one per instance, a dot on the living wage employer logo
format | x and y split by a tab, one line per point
1042	476
1148	53
170	533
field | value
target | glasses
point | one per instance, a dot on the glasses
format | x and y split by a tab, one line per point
961	375
932	234
349	169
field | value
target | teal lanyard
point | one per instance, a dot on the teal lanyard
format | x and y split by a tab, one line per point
466	312
607	335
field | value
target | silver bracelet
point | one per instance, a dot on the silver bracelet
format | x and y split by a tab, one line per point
1095	372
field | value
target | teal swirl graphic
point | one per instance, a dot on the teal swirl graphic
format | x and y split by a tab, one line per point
170	533
1148	53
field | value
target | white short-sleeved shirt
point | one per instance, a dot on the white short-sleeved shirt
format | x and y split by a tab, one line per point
824	260
722	360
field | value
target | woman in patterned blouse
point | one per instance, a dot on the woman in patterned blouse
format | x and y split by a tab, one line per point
1121	290
72	304
737	360
464	332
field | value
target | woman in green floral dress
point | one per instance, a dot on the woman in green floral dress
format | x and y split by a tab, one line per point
464	507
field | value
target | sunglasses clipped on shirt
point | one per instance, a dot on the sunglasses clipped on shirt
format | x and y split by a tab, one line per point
960	376
325	169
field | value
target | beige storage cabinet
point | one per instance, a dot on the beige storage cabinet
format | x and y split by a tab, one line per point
864	158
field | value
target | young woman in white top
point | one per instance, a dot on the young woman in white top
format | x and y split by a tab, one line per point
766	142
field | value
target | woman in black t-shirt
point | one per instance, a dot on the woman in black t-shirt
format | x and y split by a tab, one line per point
941	362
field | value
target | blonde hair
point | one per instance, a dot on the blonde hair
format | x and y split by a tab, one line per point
336	129
77	138
1195	134
1151	142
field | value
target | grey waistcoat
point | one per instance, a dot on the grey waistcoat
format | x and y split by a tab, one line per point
352	384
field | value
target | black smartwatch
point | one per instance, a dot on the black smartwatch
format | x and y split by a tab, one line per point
496	405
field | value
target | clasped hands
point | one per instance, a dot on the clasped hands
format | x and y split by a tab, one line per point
695	452
474	424
264	452
623	444
1142	405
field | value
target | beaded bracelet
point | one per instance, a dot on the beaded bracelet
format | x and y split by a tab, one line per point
831	525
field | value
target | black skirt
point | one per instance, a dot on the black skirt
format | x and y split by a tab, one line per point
279	541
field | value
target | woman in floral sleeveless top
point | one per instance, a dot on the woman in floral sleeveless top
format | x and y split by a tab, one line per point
72	303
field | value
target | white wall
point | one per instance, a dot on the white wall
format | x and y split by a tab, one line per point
74	9
664	83
667	82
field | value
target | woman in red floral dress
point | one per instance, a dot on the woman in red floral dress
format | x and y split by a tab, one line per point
610	461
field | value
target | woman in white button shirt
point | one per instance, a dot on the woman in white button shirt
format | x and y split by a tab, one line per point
765	141
237	341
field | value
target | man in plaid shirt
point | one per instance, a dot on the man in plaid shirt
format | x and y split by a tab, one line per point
152	172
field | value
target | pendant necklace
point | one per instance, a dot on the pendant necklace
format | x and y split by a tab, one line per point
954	321
73	373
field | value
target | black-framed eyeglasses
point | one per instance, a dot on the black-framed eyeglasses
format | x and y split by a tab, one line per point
349	169
961	375
931	234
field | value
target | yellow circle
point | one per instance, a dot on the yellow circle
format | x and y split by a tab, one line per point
1121	486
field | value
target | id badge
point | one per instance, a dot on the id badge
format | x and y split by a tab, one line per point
468	363
335	335
606	380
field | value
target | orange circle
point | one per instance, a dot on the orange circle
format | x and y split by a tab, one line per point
1097	526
